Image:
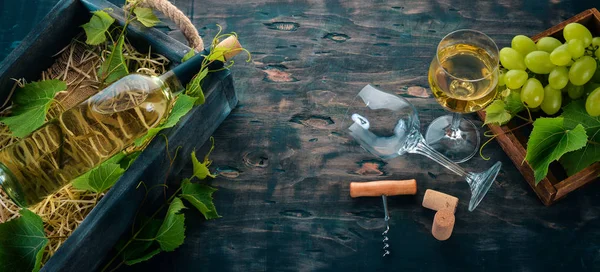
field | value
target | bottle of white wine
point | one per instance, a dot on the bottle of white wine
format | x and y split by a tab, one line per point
88	134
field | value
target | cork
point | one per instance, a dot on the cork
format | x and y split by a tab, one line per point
232	45
437	201
383	187
443	224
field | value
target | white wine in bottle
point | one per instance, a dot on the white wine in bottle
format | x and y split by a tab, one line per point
463	78
88	134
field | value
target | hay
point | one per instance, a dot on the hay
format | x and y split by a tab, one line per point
76	64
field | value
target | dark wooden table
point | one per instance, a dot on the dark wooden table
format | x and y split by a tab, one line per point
284	171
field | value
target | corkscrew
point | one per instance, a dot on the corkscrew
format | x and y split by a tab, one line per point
386	251
384	188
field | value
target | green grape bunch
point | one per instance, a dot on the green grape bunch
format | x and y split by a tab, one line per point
550	72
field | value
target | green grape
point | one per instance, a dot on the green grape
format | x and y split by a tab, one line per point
592	103
552	100
559	77
596	41
532	93
539	62
597	53
501	78
547	44
582	70
575	47
560	56
511	59
575	91
523	44
514	79
577	31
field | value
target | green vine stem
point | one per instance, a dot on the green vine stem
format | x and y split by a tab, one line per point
528	121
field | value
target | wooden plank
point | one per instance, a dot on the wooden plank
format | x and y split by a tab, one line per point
577	180
285	163
284	168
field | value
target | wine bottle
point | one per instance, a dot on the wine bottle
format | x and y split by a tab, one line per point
88	134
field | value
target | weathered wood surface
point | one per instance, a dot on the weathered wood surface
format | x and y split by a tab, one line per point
285	173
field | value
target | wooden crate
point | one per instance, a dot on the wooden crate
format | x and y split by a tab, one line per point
93	241
556	184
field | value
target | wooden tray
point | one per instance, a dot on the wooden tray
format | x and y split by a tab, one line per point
92	242
556	184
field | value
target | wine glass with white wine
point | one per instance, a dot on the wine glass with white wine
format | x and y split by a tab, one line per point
463	77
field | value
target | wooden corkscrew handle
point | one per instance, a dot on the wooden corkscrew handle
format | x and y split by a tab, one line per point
383	187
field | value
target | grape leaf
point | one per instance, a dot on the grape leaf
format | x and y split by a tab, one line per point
188	55
144	247
182	106
83	182
105	177
194	87
501	111
200	196
172	231
100	178
218	53
146	16
124	161
201	170
23	241
96	28
548	141
574	113
114	66
146	256
496	113
128	160
513	103
31	104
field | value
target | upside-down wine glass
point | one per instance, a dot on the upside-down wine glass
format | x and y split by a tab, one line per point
387	126
463	78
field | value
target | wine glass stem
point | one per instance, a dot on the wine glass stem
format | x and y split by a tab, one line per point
454	126
424	149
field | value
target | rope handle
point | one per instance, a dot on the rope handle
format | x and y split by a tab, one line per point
183	22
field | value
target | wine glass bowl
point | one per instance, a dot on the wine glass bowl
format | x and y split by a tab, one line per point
381	122
463	78
387	126
464	70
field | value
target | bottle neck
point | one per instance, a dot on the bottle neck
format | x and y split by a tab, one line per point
181	75
188	69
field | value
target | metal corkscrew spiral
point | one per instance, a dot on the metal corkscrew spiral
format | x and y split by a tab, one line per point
386	246
384	188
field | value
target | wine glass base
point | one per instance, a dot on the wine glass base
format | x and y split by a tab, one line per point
458	146
480	184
